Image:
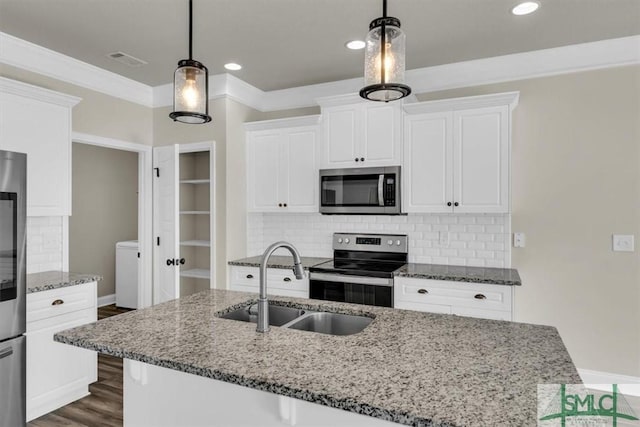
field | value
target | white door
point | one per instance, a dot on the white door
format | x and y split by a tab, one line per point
166	223
341	134
263	155
481	160
382	135
428	160
300	186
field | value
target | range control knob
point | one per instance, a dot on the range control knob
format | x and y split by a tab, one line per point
389	242
398	242
339	239
346	240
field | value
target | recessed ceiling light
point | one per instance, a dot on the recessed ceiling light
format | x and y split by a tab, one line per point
232	66
355	44
525	8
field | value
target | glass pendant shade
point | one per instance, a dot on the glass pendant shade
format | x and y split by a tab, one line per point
190	100
384	61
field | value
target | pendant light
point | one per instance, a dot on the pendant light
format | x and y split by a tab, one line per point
384	60
190	87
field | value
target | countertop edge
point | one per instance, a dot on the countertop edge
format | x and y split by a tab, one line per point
458	279
349	405
63	284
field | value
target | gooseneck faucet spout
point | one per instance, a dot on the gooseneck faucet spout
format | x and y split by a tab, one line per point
263	303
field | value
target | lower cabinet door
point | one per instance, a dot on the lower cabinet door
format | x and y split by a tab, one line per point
57	374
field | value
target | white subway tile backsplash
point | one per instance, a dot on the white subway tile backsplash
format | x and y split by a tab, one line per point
476	240
44	244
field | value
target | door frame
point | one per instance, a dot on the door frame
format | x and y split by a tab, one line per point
145	209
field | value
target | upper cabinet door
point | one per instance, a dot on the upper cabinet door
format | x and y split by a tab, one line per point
481	160
301	187
365	134
381	142
341	136
263	171
428	165
47	144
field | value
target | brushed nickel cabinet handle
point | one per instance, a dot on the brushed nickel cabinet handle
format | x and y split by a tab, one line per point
57	302
480	296
423	291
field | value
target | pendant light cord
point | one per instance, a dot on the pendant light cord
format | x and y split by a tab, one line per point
383	45
191	28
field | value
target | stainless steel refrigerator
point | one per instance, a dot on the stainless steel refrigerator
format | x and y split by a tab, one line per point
13	215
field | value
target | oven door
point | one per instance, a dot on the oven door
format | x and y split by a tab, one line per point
352	289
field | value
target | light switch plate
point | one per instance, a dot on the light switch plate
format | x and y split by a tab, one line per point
444	238
623	243
519	240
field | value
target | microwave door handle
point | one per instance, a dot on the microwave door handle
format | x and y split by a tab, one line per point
381	190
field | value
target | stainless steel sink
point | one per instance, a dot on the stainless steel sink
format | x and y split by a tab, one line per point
331	323
278	315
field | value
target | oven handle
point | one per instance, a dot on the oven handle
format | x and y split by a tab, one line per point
359	280
381	190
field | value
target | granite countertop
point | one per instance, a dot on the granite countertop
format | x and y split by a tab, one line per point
496	276
408	367
47	280
279	261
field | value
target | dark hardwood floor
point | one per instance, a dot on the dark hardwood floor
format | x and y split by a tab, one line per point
103	408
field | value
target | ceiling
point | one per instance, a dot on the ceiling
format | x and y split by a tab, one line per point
289	43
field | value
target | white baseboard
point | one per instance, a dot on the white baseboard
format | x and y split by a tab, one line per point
629	385
106	300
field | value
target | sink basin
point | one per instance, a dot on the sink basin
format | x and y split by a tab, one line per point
278	316
331	323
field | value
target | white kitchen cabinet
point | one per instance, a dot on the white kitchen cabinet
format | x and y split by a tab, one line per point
37	122
358	133
58	374
279	281
481	300
183	220
457	155
282	171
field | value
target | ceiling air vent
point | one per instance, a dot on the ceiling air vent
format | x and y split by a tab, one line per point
126	59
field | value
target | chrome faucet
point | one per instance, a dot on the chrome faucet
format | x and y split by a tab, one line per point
263	304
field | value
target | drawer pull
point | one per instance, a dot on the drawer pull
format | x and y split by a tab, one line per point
479	296
287	279
249	276
57	302
423	291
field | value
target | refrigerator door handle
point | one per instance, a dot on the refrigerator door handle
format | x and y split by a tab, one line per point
6	352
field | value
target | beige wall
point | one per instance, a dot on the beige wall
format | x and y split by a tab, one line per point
575	182
105	209
167	132
97	113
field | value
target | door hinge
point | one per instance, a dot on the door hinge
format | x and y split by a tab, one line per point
157	172
158	241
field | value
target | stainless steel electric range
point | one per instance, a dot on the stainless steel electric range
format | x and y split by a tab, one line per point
361	271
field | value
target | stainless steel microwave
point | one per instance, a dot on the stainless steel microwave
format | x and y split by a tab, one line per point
368	191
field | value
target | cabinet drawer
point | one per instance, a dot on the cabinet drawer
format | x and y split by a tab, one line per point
455	294
55	302
482	314
429	308
248	279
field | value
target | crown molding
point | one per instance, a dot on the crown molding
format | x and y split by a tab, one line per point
31	57
519	66
468	102
292	122
38	93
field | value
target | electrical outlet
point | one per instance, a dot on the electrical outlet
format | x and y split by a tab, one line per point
623	243
519	240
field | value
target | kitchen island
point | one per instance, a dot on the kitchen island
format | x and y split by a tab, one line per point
406	367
